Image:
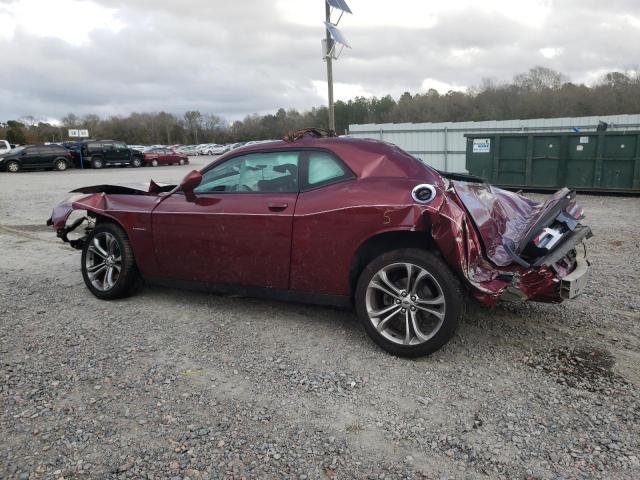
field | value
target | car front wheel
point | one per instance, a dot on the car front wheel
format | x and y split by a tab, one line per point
13	167
61	165
136	162
108	264
409	302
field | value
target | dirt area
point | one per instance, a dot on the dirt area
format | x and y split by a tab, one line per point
177	384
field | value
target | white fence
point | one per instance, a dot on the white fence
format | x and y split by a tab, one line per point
443	146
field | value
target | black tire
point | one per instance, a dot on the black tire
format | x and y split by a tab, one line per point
128	275
60	165
12	166
97	162
454	298
136	162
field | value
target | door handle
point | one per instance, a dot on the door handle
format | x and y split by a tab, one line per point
277	207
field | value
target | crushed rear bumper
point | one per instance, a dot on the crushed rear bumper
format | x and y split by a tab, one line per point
574	284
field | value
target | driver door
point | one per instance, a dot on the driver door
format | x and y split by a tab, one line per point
237	229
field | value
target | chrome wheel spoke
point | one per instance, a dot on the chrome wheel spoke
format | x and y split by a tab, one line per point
421	275
409	284
97	252
436	313
101	251
439	300
385	321
434	306
407	328
384	278
96	267
111	244
384	289
93	274
379	313
416	329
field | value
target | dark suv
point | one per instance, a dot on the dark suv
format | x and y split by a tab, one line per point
99	153
36	156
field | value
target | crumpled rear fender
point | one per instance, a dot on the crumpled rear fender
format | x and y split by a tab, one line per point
458	241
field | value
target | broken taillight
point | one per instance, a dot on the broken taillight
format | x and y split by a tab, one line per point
548	238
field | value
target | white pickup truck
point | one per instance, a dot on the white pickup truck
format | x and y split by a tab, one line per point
4	146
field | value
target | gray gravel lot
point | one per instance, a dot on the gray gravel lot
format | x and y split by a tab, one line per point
176	384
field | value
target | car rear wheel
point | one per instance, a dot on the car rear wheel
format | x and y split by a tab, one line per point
97	162
136	162
108	264
13	167
409	302
181	162
61	165
154	163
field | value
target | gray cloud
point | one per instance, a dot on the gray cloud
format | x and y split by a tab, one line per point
236	58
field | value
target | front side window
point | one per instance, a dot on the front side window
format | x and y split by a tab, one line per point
120	146
255	172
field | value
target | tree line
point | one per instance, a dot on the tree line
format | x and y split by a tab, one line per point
538	93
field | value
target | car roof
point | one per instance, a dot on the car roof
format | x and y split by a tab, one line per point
365	157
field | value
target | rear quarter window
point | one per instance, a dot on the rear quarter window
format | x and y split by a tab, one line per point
323	168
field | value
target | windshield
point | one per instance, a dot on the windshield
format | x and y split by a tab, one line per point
17	149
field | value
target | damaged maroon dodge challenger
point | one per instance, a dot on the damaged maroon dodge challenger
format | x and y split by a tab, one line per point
329	220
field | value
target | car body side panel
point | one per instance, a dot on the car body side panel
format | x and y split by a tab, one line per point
231	238
331	222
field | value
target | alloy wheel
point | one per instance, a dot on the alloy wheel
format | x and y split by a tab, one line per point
405	303
104	261
13	167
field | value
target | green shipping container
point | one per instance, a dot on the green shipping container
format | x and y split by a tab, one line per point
594	161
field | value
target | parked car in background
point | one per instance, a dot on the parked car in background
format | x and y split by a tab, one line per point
336	220
140	148
216	149
4	147
188	150
30	157
200	149
164	156
233	146
101	153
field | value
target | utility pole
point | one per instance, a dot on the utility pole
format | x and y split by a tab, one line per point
329	53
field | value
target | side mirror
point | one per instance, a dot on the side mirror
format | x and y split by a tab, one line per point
188	183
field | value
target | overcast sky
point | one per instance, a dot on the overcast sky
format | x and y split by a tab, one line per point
234	58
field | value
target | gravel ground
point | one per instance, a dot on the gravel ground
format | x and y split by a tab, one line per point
176	384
